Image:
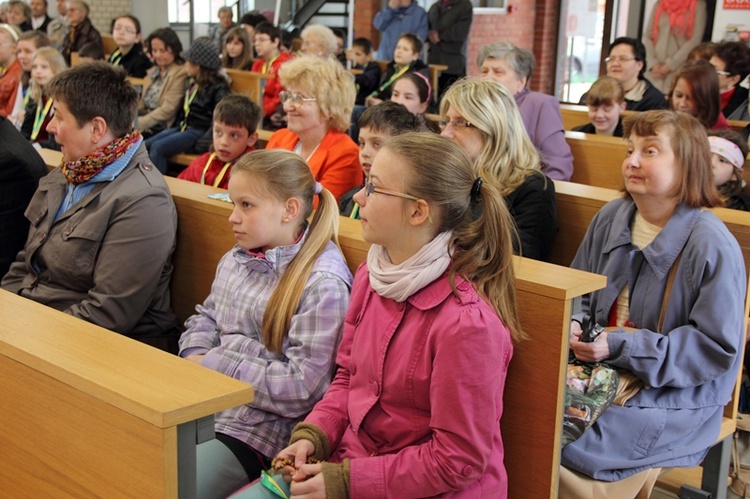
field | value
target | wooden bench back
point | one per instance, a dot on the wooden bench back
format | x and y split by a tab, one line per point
574	115
248	83
535	383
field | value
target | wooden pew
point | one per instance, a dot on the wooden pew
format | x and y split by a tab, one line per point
90	413
576	206
574	115
598	160
546	294
248	83
109	44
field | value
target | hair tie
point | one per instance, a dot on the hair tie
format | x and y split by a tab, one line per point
476	188
318	187
427	81
727	150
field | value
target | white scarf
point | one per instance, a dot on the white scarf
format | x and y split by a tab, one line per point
399	282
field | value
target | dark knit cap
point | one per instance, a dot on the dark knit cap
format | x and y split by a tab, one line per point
204	53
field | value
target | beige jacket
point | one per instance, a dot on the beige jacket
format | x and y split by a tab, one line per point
170	100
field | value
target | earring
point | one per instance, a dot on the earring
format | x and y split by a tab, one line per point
286	219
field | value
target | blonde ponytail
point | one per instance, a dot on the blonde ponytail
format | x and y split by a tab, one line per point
287	176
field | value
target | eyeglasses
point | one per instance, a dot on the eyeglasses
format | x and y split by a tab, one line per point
297	99
370	188
457	124
262	39
618	58
126	29
723	73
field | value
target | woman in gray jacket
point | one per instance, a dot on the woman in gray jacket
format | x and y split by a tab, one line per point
103	225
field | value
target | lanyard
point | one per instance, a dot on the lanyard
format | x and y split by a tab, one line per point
391	80
355	212
41	115
116	57
221	174
267	66
26	96
189	96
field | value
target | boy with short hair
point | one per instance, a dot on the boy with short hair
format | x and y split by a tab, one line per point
236	119
376	127
361	56
406	58
266	41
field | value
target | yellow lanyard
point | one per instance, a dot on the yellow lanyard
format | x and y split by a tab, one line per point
116	57
26	96
355	211
39	118
267	66
221	174
391	80
189	96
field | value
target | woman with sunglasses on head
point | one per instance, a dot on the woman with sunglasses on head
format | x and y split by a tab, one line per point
732	63
482	117
414	409
318	100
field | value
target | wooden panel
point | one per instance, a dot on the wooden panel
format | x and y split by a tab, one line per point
248	83
597	160
109	44
77	445
149	384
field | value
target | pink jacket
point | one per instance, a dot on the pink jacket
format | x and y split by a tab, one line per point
418	395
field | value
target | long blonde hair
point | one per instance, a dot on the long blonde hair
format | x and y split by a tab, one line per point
508	155
56	63
441	173
285	175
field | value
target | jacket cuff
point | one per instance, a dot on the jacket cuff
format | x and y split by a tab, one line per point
308	431
336	477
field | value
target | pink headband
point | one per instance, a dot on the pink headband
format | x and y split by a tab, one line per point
727	150
429	87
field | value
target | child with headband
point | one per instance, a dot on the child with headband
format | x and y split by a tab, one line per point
728	153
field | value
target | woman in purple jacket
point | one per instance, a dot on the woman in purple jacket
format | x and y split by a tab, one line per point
429	330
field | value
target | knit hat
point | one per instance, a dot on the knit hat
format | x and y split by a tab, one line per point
204	53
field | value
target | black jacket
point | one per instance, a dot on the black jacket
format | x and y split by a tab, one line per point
386	86
534	210
367	82
202	107
589	128
452	21
21	167
135	61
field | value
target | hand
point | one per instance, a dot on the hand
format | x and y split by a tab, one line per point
595	351
433	36
349	54
394	4
198	359
308	482
297	452
575	329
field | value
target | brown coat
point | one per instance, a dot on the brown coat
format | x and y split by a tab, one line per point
107	259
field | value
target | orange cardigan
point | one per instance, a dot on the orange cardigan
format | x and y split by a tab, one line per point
335	163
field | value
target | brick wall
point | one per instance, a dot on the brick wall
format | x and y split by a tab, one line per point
533	25
103	11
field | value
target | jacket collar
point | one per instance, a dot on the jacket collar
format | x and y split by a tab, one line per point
664	249
439	290
275	260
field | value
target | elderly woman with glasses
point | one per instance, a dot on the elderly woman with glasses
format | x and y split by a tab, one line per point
627	64
481	117
318	100
505	63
